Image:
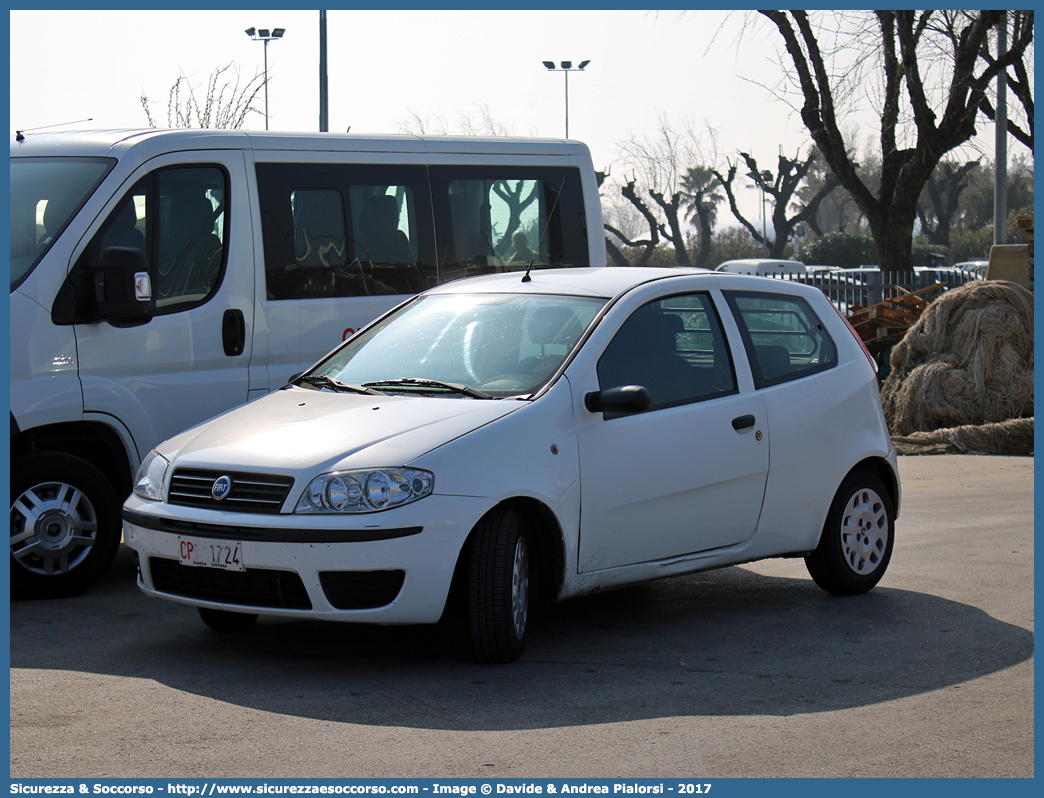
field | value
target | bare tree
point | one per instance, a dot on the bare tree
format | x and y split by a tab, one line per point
837	210
941	200
783	188
225	105
663	165
477	123
1018	79
934	82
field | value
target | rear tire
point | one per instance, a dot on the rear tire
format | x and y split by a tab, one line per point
499	586
856	544
65	525
224	621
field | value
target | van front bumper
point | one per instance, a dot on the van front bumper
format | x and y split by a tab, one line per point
390	568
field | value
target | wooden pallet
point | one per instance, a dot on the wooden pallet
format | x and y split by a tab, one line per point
885	323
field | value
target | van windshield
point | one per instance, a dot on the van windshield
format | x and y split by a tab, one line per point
496	345
45	194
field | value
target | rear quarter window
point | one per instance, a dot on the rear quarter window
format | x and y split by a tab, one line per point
783	336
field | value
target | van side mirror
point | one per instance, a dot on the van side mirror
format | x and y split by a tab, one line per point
623	400
123	286
118	289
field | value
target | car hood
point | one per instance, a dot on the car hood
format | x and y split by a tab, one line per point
299	429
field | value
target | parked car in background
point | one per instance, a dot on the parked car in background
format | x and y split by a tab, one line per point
976	267
534	437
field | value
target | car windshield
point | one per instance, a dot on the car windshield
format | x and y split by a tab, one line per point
478	345
45	194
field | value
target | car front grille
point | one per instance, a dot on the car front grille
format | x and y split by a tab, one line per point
254	587
361	590
250	493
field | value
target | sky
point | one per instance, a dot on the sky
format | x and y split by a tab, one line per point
386	69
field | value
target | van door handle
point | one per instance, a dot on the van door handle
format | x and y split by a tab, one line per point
743	422
233	332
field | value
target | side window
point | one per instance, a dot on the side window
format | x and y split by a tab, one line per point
336	230
783	336
177	218
496	219
675	348
320	236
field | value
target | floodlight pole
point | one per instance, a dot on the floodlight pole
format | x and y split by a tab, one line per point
566	67
266	36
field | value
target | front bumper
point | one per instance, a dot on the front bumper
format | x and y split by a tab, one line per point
309	566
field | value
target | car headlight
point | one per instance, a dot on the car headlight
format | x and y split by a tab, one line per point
365	491
148	482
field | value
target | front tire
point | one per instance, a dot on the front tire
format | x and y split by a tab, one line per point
856	544
65	525
499	587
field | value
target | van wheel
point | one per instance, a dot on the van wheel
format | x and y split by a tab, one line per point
498	587
225	621
857	539
65	525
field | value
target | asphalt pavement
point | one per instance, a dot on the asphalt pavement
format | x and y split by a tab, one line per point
748	671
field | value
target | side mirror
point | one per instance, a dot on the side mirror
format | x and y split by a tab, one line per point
118	289
624	400
123	287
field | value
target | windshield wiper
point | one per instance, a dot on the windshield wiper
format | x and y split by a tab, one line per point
323	381
424	383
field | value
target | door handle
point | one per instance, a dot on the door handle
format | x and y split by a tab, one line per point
743	422
233	332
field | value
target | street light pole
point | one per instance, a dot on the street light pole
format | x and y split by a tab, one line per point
266	36
566	67
760	180
324	103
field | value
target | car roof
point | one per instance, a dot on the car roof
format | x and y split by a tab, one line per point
607	282
597	281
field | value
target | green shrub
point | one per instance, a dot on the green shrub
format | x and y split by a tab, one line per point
842	249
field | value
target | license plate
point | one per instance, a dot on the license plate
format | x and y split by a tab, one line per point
206	553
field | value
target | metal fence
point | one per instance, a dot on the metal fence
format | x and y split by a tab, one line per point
848	288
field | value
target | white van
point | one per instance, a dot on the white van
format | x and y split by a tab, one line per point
762	266
161	277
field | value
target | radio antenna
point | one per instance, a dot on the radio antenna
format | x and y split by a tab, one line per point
20	134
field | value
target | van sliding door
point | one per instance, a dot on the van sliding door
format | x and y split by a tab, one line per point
342	242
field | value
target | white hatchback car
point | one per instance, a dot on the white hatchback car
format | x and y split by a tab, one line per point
535	437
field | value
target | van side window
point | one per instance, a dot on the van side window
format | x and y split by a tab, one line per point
337	230
177	218
675	348
505	218
320	238
783	336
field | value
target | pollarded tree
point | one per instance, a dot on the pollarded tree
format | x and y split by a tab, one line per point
933	81
662	167
782	188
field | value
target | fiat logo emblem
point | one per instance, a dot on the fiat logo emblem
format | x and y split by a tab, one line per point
221	488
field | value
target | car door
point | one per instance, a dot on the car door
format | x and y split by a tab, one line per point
688	475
